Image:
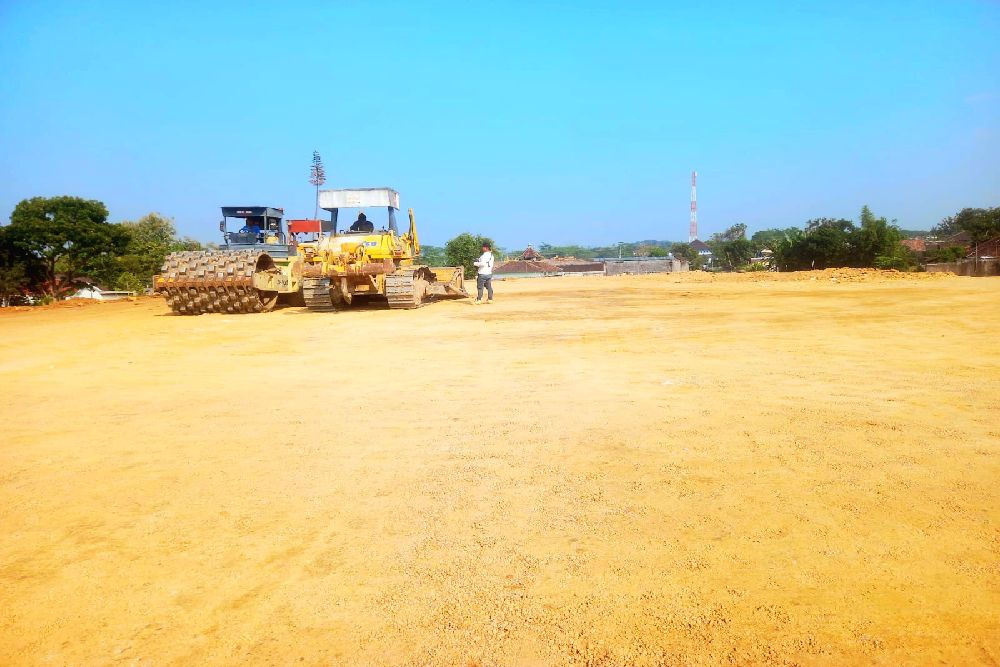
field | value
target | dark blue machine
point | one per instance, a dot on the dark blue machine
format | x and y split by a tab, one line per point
262	230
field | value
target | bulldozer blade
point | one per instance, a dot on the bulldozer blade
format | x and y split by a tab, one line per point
448	281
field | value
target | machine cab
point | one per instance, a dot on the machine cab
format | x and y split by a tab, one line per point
258	227
359	198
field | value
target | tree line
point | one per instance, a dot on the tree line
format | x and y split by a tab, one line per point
54	244
874	242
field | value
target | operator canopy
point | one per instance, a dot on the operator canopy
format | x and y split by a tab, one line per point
358	198
334	200
252	212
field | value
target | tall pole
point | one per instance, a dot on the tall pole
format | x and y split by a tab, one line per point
693	231
317	177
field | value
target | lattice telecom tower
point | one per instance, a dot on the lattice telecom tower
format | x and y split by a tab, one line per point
693	232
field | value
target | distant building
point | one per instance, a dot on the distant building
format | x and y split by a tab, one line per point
531	254
524	268
961	240
93	291
532	264
577	265
982	259
614	266
916	244
985	250
701	247
766	257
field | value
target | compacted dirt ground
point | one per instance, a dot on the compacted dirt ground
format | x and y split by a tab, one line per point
685	469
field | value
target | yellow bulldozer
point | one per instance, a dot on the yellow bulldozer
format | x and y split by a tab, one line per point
263	263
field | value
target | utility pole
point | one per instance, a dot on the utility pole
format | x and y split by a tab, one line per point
317	177
693	231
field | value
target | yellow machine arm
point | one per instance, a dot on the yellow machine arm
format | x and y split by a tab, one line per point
411	236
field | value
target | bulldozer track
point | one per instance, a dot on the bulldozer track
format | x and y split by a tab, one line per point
316	292
406	288
196	282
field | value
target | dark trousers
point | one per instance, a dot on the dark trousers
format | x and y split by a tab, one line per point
481	282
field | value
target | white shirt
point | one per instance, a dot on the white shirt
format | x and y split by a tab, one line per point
485	264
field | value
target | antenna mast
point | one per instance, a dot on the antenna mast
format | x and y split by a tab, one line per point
693	231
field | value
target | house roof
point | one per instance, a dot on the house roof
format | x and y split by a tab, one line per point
579	266
700	246
989	248
79	281
527	266
961	239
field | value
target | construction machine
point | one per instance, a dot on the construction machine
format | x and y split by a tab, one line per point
247	274
262	262
362	261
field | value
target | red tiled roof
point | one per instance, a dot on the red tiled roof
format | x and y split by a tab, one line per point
527	266
989	248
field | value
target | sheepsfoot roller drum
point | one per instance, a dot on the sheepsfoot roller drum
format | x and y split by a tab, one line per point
235	281
257	265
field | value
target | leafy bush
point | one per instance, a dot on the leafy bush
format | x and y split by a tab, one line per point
465	249
828	243
890	262
949	254
130	282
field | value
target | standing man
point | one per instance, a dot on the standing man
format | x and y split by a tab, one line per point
485	274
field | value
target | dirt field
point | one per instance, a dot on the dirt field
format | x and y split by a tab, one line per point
602	471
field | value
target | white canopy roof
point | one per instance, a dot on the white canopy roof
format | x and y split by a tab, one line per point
358	198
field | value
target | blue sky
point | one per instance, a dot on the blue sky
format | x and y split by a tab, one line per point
534	122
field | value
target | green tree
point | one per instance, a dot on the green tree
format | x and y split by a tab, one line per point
658	251
835	242
949	254
66	236
684	250
735	233
188	243
464	249
947	227
549	250
13	269
981	224
13	281
731	248
433	255
826	242
876	242
770	238
150	239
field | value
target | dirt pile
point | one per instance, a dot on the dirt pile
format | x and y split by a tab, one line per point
839	275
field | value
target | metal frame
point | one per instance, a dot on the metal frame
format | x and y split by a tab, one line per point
360	198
